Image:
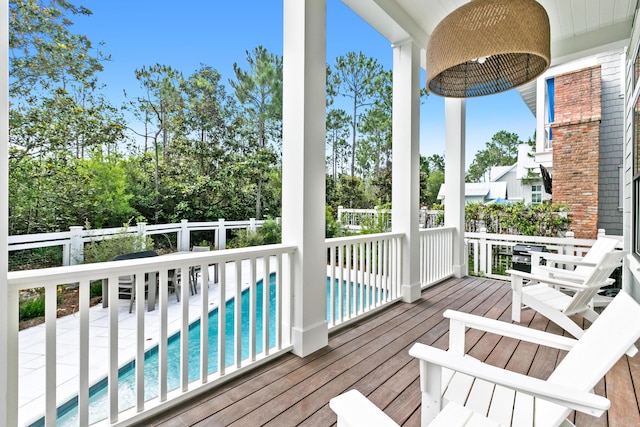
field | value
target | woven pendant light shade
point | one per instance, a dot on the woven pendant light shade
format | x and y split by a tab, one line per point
488	46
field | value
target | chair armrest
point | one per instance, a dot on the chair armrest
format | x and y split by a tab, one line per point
510	330
579	400
548	280
569	259
354	410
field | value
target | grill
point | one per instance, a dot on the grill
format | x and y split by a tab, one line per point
521	260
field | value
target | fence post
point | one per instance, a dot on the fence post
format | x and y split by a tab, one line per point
339	219
252	224
569	248
74	252
142	233
601	232
184	236
222	234
483	251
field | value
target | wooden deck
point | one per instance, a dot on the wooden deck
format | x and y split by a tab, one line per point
372	356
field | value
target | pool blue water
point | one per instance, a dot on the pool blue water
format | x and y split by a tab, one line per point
98	401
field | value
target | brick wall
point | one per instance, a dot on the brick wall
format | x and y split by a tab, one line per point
576	147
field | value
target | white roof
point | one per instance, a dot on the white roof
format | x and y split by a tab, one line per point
488	190
526	162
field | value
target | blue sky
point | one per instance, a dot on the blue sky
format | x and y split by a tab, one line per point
217	33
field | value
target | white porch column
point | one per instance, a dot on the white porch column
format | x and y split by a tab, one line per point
405	190
8	355
303	169
454	110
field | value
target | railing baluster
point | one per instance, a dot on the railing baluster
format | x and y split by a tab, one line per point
266	291
332	285
340	285
222	326
237	301
163	338
184	328
113	349
204	322
252	309
139	369
83	363
278	319
50	353
350	283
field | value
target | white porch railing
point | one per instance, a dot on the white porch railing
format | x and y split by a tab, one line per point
353	219
490	254
363	274
436	255
213	365
73	241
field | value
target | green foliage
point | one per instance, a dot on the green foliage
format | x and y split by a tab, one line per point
32	308
269	233
547	220
379	223
121	243
502	150
332	227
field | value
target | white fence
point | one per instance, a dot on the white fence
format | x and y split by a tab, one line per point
436	255
365	272
267	334
73	241
491	254
355	219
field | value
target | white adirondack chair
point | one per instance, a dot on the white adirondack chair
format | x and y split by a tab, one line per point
544	294
458	390
576	267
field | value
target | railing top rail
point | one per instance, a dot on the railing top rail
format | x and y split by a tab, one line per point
40	237
69	274
533	239
436	230
362	238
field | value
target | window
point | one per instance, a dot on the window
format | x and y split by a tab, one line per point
536	194
550	114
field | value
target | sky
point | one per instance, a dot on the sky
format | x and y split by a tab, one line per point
218	33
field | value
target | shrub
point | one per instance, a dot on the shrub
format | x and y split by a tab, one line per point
121	243
32	308
270	233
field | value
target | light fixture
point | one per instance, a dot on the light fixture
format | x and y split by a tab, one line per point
488	46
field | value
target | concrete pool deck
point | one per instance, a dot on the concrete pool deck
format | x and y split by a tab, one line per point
31	397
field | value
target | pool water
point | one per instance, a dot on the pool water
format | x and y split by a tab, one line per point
99	401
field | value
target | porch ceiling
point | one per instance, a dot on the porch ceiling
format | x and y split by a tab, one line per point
578	27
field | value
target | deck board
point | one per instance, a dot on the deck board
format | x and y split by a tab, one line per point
372	356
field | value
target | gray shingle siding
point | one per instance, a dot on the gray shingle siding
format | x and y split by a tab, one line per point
611	143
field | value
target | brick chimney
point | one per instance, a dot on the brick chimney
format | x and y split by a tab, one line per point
576	147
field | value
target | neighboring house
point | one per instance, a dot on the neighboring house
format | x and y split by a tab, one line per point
479	192
519	182
579	105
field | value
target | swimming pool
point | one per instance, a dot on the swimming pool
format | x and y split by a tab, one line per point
98	400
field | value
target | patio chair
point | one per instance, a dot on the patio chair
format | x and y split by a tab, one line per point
126	284
458	390
546	296
576	267
195	271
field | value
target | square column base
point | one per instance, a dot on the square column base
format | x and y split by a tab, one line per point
312	339
411	293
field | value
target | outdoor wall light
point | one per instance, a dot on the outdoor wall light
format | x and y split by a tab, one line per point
488	46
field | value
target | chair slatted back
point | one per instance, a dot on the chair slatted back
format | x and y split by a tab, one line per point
595	353
601	246
593	282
